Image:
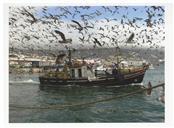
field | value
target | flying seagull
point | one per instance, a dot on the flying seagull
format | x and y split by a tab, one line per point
80	27
30	15
64	40
129	40
97	42
59	58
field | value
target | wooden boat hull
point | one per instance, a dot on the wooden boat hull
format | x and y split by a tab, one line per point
126	79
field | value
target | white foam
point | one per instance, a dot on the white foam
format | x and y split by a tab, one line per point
24	81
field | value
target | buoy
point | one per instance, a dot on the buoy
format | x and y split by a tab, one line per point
149	88
161	98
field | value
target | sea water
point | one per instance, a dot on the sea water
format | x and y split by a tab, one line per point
24	91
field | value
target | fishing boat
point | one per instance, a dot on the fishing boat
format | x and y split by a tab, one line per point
74	72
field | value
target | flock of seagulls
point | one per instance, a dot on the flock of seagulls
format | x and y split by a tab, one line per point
86	27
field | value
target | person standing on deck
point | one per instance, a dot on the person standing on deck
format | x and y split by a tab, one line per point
115	70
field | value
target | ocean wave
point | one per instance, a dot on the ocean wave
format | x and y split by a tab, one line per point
24	82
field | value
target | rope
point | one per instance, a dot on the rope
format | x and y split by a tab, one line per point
85	103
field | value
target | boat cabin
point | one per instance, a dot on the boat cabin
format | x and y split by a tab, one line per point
78	72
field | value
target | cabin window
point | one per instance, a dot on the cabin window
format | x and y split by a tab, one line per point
73	73
80	72
35	64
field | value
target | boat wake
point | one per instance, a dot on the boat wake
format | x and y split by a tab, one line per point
134	84
30	81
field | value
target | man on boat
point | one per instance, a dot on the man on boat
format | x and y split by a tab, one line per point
115	70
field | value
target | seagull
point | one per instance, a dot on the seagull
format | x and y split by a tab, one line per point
64	40
59	58
30	15
97	42
80	27
130	38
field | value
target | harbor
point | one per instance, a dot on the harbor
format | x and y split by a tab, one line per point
28	85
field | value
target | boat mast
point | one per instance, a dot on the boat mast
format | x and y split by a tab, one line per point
69	57
117	53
